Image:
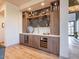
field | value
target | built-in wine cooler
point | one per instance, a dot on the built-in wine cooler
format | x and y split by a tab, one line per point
26	40
44	42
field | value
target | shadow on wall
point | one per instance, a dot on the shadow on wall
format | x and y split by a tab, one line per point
1	27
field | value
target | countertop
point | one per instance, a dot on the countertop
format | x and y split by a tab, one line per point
1	43
41	35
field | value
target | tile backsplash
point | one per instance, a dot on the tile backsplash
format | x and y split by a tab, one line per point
41	30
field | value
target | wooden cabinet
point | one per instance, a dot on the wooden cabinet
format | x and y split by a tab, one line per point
44	44
31	40
21	39
48	44
34	41
54	45
55	22
24	23
24	39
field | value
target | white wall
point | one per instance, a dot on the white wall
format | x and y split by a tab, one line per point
13	24
64	28
2	7
72	17
1	29
78	25
77	18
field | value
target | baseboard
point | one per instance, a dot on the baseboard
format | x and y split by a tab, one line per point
63	58
12	45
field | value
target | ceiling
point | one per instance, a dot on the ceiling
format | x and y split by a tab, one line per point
23	4
37	5
18	2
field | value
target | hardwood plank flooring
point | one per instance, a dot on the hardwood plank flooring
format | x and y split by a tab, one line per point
23	52
73	48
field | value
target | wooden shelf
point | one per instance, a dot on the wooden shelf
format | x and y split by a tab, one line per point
39	16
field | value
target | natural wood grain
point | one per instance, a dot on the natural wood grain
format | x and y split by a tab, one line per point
1	42
23	52
53	43
24	23
55	22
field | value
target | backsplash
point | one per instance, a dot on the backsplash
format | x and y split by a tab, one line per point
41	30
40	22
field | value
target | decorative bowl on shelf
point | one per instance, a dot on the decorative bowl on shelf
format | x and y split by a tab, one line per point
30	29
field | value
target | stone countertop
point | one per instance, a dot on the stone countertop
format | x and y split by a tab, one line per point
41	35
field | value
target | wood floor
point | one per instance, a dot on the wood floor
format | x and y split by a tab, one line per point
23	52
73	48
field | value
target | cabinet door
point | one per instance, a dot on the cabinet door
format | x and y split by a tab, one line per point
36	41
44	44
31	38
21	39
26	40
55	22
54	45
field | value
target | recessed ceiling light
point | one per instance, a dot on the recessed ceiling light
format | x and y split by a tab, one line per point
29	9
42	4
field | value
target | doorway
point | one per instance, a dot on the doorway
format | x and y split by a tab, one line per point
73	29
